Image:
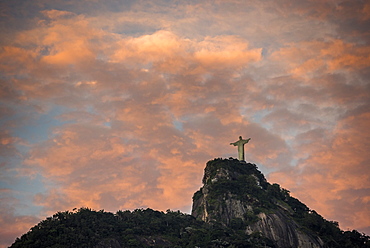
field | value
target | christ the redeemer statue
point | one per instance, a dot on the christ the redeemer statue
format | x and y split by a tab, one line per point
240	143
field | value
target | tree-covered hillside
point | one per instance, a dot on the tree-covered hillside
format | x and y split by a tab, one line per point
139	228
228	184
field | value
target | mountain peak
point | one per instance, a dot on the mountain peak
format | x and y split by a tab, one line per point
230	169
236	207
237	194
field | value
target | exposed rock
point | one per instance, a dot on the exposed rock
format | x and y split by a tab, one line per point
220	200
283	231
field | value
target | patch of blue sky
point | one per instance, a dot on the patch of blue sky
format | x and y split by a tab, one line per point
107	124
28	208
263	168
90	109
294	162
24	183
178	125
38	128
178	122
257	116
297	160
23	188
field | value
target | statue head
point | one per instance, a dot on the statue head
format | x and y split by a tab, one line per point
240	138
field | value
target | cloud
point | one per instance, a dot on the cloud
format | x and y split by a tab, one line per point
56	14
312	58
334	176
7	144
136	107
86	163
172	54
12	224
89	156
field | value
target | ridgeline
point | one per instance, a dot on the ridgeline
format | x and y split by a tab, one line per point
236	207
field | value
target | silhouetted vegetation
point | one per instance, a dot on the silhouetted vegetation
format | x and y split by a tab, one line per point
139	228
150	228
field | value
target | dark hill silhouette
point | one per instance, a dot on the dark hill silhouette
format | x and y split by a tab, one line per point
236	207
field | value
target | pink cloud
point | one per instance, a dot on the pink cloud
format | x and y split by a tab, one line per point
172	54
146	104
332	170
7	144
56	14
12	225
225	51
308	58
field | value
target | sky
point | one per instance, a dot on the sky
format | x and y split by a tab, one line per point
118	105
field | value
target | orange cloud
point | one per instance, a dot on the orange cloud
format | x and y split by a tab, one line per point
11	224
145	104
225	51
150	48
366	12
12	227
14	58
56	14
309	58
332	170
173	54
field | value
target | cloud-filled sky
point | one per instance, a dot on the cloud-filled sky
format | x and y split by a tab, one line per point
119	104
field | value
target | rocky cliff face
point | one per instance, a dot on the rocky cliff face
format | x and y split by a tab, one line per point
237	195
